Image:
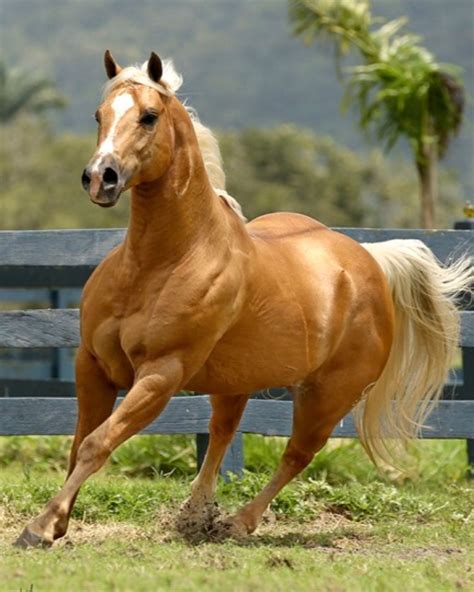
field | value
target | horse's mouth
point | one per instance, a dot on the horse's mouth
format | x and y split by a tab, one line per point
106	204
106	197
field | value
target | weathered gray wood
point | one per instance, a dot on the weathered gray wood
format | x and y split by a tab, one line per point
56	258
19	387
468	367
57	248
190	415
233	461
24	294
39	328
53	258
467	328
44	416
445	244
450	419
202	442
60	328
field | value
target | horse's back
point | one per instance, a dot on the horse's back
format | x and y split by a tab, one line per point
283	225
301	240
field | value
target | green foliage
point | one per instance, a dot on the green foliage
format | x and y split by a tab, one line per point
22	93
400	89
292	169
241	67
282	168
146	456
41	175
340	462
152	456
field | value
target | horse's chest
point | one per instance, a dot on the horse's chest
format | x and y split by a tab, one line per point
119	343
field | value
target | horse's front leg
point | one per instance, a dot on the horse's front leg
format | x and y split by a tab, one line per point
96	396
198	512
144	402
95	399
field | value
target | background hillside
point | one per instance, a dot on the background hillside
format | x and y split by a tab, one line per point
242	67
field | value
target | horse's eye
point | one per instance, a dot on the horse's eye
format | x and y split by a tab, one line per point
148	118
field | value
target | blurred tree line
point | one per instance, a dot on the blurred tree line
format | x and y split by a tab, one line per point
241	65
280	168
400	89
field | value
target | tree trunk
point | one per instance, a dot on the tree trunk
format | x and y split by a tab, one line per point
426	164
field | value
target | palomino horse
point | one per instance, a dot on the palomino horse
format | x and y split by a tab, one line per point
196	299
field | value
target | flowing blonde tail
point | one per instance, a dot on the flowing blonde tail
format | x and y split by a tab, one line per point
427	326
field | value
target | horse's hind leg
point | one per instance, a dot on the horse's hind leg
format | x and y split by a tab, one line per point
317	409
198	512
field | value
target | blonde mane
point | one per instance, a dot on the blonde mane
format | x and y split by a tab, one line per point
169	84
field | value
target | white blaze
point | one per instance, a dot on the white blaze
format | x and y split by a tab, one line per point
120	105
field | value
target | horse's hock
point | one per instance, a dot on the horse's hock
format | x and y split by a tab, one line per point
55	261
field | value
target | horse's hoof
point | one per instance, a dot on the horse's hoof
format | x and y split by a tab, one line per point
30	539
230	528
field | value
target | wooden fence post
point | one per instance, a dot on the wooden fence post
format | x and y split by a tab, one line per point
233	460
468	390
468	362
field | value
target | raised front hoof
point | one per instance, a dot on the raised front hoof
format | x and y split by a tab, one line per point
29	539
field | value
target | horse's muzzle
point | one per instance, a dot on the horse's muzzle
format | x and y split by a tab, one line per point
103	184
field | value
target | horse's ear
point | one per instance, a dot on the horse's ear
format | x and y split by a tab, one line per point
111	66
155	67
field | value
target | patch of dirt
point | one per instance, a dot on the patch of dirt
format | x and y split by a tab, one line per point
200	526
10	524
329	533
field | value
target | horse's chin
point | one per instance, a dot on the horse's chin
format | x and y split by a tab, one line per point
105	201
106	204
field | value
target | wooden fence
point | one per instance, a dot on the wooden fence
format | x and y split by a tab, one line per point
57	260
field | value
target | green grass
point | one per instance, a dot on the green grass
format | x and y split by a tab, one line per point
341	527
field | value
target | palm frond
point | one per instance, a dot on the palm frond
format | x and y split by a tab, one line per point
400	86
20	92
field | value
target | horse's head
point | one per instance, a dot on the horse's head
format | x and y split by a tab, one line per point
135	136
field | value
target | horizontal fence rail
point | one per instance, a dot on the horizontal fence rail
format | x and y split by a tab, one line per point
66	258
40	328
60	328
191	415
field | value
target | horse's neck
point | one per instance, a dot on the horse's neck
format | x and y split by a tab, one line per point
168	215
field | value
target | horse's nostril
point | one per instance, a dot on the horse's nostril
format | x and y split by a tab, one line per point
110	177
86	179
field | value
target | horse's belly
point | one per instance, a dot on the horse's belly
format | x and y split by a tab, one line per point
250	360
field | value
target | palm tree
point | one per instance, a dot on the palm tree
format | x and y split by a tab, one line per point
400	89
19	92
